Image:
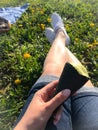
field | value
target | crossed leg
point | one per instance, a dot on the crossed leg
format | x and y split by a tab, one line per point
57	57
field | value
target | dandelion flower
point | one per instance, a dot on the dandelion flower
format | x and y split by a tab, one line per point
33	10
95	43
92	24
67	26
49	20
42	26
20	25
90	45
42	11
76	39
17	81
26	55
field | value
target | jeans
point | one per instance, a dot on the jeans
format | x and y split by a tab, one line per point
80	112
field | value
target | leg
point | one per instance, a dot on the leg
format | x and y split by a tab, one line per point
83	117
85	109
58	55
53	65
56	58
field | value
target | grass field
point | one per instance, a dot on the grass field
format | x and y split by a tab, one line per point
24	47
6	3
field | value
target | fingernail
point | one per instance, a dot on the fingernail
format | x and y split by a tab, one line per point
57	119
55	122
66	92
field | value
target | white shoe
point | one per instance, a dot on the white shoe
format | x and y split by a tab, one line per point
50	34
57	24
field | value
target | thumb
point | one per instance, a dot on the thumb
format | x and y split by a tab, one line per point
59	99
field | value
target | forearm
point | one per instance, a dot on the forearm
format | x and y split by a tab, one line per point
30	124
21	127
28	127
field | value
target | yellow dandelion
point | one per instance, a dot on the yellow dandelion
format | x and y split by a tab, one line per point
17	81
20	25
26	55
49	20
90	45
92	24
95	43
42	11
33	10
42	26
67	26
76	39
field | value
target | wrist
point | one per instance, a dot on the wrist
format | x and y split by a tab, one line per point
30	124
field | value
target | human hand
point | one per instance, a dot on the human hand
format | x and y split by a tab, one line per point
42	107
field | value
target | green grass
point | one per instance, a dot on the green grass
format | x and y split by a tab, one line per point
6	3
24	47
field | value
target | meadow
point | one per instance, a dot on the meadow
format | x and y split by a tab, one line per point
24	47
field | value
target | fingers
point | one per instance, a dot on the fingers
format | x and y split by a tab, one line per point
58	99
49	87
57	115
47	92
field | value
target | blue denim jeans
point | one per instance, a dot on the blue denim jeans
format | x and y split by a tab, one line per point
80	112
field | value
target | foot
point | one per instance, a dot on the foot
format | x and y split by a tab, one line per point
50	34
58	25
